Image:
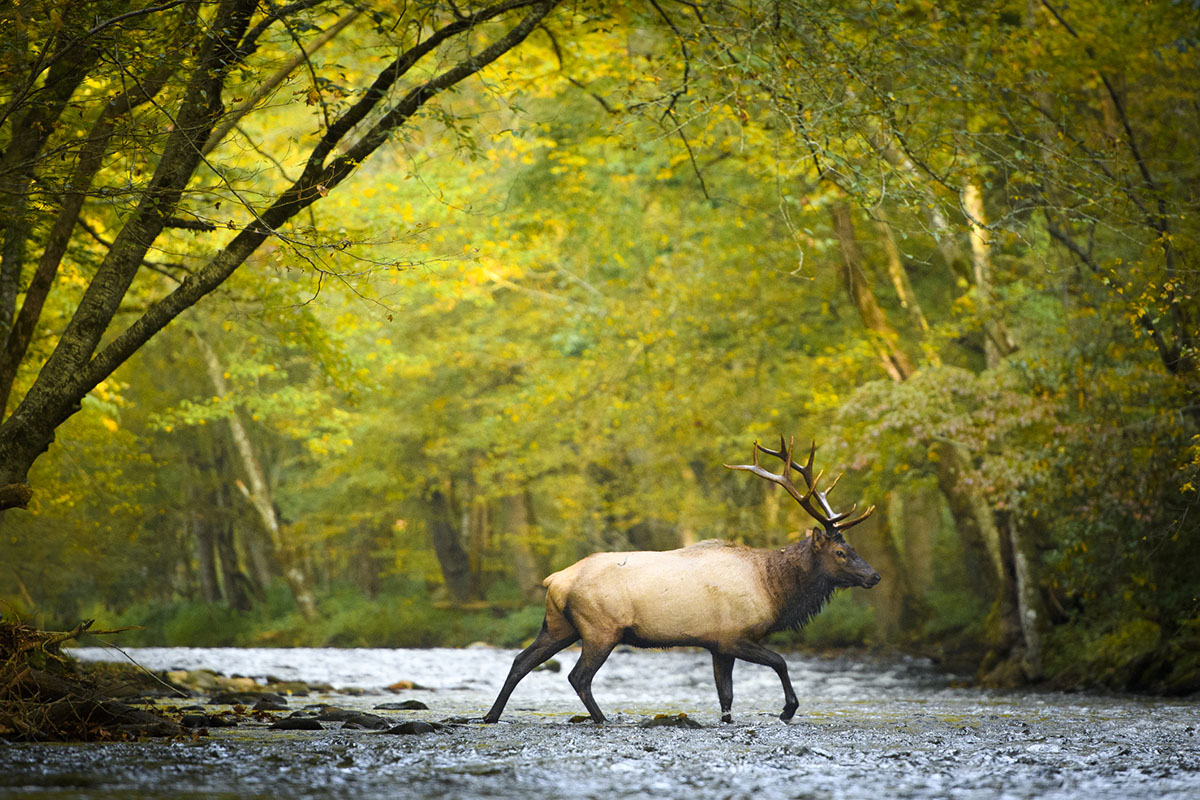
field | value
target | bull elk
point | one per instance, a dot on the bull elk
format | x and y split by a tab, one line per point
720	596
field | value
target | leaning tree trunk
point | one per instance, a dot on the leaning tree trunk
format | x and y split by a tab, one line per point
896	362
258	492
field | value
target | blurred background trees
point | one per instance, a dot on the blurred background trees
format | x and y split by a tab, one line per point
954	244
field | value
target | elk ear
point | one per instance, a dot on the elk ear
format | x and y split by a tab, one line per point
819	539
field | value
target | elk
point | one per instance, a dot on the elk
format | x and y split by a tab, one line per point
721	596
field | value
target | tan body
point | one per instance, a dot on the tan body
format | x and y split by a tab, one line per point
708	594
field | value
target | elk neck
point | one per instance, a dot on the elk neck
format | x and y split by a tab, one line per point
799	587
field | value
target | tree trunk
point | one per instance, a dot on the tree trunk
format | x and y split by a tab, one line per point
998	342
258	492
947	240
454	560
896	362
206	556
1027	603
519	527
976	518
691	488
237	586
903	286
477	533
874	541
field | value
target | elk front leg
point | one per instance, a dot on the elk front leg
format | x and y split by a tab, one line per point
590	660
544	646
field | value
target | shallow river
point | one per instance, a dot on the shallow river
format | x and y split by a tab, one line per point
864	730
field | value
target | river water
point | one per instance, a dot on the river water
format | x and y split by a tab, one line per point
864	730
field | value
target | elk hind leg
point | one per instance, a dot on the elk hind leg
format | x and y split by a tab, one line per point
723	672
547	643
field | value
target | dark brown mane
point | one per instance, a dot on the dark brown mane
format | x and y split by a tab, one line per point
800	587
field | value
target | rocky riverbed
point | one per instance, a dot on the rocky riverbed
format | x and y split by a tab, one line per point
864	729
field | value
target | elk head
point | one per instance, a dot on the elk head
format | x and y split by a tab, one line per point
833	554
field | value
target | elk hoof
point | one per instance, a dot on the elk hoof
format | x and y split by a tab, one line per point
727	718
789	712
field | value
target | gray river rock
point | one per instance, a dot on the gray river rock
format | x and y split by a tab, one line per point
864	730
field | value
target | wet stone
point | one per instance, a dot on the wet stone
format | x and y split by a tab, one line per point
349	717
243	698
268	703
207	721
334	714
296	724
203	679
414	728
670	721
405	705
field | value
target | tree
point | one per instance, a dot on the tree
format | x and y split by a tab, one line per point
151	86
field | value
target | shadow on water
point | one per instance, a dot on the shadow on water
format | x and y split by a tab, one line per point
866	730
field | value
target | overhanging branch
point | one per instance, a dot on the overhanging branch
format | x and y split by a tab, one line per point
318	179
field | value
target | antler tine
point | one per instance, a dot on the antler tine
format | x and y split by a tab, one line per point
785	453
786	447
854	522
839	517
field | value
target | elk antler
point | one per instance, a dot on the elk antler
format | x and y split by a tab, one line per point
820	510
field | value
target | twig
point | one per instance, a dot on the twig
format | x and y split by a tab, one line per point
133	661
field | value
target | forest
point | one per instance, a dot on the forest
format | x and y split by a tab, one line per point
334	323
